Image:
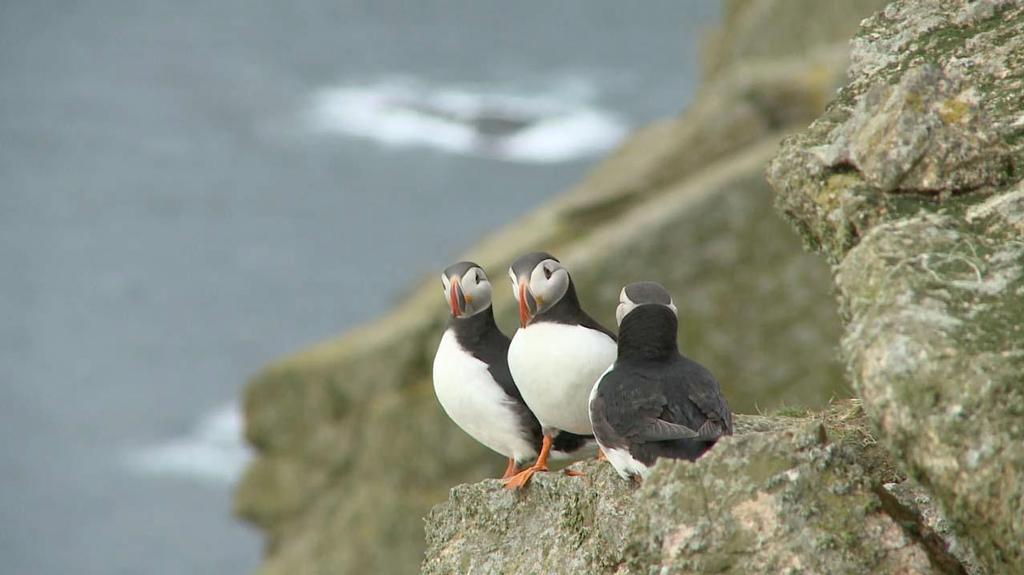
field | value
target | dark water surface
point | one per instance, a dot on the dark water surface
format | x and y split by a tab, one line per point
169	223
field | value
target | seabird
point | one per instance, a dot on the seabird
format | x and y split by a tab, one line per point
654	402
556	355
472	380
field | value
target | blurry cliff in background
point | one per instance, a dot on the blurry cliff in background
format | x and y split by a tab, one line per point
352	447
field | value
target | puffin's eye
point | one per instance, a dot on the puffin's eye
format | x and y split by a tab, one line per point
547	272
478	280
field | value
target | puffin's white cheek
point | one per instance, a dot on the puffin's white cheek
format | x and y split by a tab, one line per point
620	312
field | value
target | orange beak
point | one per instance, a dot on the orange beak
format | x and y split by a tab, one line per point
453	297
524	311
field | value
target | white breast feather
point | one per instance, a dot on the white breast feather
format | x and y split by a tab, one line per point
555	367
475	402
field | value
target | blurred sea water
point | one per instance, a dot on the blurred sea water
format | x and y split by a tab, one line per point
191	190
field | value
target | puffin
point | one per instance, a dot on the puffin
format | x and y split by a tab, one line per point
653	401
472	380
556	355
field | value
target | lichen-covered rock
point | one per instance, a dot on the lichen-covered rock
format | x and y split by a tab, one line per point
784	495
910	183
936	346
911	505
923	134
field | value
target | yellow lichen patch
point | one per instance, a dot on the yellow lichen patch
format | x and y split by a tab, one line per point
830	195
914	102
954	111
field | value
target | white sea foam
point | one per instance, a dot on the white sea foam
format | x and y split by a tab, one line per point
553	125
213	451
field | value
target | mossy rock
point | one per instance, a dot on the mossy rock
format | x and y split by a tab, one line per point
910	184
784	495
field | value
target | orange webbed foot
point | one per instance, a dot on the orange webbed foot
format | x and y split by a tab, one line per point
511	470
519	480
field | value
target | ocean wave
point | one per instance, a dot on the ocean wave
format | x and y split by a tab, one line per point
213	451
553	125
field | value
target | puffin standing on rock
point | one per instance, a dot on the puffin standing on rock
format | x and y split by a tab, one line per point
556	355
654	402
472	380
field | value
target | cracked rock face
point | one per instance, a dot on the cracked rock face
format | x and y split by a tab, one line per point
911	185
784	495
923	134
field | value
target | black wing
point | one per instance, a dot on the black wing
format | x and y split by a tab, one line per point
648	410
690	382
491	347
663	403
657	429
480	336
627	409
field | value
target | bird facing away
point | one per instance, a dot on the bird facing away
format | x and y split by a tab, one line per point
472	380
654	402
556	355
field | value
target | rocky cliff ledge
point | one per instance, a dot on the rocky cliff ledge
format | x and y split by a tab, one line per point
805	494
910	184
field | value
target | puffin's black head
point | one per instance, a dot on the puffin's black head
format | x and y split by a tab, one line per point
466	288
539	281
642	293
647	322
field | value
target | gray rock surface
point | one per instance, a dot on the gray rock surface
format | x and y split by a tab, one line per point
910	184
784	495
923	134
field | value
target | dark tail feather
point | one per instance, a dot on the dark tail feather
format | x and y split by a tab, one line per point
570	442
686	448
